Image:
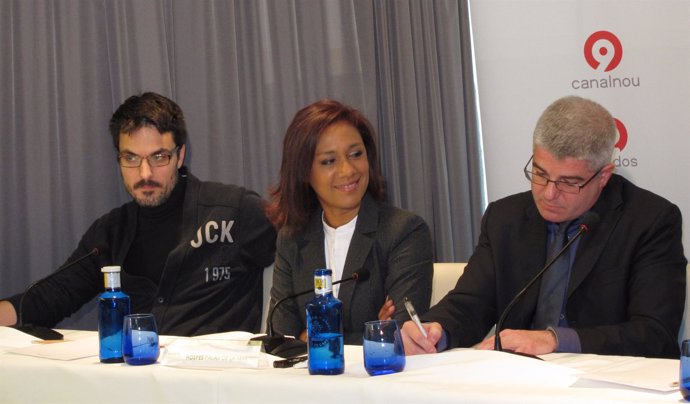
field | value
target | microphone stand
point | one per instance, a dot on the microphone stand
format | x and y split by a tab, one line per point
286	347
271	341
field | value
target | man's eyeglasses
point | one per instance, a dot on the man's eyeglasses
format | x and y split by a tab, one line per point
563	186
158	159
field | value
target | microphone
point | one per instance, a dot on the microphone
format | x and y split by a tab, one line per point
589	221
45	332
280	345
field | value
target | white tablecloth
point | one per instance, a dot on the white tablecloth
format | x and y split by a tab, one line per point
467	376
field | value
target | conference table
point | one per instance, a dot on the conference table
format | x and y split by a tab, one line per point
460	375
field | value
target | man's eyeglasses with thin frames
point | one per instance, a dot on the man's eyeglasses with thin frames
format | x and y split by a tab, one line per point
563	186
158	159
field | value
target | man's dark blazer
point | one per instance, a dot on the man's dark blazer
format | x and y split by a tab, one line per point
627	287
393	244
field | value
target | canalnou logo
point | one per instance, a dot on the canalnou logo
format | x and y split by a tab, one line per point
603	53
603	50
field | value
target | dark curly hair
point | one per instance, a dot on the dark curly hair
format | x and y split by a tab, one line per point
148	109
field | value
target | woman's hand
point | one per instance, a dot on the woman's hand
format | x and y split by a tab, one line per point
386	311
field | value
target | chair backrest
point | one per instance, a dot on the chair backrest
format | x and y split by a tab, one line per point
446	275
266	301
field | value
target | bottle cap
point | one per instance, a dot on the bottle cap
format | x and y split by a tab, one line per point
323	272
109	269
323	282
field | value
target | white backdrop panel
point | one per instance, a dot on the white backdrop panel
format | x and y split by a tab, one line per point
532	52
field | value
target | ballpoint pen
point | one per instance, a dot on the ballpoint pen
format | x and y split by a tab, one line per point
413	315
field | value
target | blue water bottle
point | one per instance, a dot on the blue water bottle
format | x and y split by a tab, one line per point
113	306
325	328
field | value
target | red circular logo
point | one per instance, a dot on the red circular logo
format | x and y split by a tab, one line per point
603	47
622	135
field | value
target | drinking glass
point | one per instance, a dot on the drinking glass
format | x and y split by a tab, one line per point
383	348
140	339
685	369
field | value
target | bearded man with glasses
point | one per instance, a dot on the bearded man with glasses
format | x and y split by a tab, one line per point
618	290
192	252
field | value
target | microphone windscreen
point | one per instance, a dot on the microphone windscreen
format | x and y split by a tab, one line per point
590	221
362	275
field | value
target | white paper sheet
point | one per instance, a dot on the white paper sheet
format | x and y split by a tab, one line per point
66	350
473	366
652	373
11	338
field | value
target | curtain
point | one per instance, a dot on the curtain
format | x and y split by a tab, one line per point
239	70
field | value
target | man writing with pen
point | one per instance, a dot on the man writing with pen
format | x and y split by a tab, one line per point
617	290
